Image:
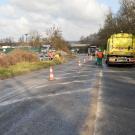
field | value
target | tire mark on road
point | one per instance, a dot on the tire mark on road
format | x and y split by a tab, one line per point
45	96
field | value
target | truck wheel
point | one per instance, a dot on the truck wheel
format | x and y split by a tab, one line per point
107	63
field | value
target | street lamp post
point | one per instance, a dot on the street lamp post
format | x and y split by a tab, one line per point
26	35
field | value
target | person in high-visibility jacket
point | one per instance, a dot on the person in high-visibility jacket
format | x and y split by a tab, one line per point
57	56
100	56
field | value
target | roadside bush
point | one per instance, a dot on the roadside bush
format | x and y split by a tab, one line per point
25	56
4	61
17	56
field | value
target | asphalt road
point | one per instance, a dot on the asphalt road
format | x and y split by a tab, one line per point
116	102
32	105
86	100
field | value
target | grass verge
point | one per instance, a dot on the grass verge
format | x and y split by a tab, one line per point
25	67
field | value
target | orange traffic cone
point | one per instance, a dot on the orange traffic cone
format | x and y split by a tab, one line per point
51	74
84	60
91	58
79	63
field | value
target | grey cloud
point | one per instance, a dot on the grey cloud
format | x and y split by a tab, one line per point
75	17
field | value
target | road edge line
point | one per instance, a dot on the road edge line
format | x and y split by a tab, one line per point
98	103
90	122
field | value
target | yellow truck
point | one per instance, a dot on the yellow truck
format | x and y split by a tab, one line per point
121	49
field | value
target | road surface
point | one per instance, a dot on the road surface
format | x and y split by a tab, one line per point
116	102
85	100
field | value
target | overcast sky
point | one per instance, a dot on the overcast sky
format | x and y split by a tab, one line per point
75	18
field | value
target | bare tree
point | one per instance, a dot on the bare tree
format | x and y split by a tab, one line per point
123	21
34	39
56	40
126	16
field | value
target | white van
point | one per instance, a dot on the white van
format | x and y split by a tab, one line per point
45	48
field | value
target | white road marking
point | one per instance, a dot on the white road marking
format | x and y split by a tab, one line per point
101	73
98	103
45	96
66	77
114	71
21	90
63	83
